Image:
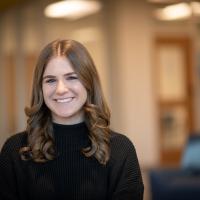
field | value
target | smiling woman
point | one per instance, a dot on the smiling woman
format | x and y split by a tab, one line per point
68	150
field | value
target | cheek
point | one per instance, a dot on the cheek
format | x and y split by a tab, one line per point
46	91
83	91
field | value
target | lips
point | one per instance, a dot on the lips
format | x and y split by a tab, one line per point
64	100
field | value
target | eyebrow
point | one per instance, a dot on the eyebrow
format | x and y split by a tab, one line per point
52	76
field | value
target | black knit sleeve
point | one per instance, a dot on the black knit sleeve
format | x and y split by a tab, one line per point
125	175
8	183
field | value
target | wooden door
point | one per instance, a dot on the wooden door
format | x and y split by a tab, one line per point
174	96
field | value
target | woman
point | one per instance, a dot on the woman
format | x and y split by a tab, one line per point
68	150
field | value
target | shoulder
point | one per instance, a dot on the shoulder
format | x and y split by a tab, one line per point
14	143
121	146
120	140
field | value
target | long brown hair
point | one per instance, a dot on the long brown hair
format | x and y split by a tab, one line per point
40	147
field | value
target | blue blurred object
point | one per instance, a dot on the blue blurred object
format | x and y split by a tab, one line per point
182	183
191	156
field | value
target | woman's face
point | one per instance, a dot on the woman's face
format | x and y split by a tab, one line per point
63	92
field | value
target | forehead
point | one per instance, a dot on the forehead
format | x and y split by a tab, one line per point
58	65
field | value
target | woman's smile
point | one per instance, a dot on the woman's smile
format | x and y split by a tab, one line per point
64	100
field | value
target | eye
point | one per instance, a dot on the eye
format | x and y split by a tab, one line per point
72	77
50	80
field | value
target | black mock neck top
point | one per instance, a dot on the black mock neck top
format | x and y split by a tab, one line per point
71	175
70	137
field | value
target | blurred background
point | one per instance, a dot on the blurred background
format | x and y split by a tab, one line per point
147	53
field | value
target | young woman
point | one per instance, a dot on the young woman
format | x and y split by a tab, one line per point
68	151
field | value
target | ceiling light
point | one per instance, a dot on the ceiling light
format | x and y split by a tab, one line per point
162	1
72	9
174	12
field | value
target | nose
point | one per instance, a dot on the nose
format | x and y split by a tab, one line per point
61	88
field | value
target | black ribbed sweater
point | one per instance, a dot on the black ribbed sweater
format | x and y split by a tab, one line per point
71	176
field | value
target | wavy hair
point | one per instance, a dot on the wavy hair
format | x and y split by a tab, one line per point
40	144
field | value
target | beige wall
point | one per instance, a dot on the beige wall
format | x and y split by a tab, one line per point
133	105
120	39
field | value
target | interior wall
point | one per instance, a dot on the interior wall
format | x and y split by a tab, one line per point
133	105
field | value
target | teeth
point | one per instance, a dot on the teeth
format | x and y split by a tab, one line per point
64	100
